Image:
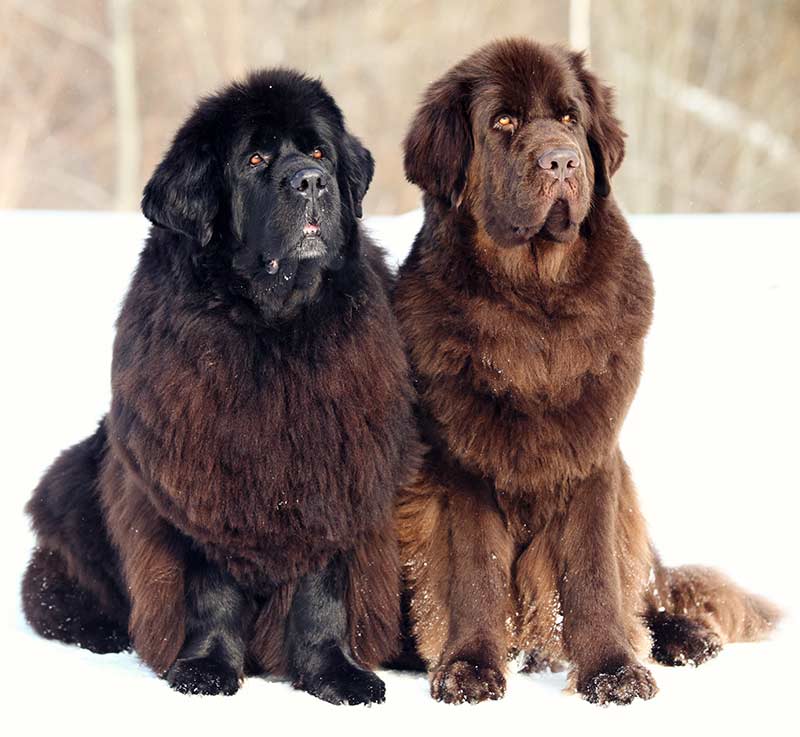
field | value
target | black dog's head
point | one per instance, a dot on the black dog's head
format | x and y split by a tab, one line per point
265	175
524	134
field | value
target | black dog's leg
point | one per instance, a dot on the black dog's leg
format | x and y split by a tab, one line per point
319	655
212	658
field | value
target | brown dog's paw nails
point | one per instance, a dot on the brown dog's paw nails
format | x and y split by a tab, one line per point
622	686
464	682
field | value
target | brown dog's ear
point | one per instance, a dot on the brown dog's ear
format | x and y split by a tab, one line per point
606	137
438	145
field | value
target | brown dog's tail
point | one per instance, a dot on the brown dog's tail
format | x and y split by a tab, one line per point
693	611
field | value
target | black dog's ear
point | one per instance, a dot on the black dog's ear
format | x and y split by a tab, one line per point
606	137
360	168
438	146
183	193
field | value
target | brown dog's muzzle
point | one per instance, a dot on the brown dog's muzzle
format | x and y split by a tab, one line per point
560	163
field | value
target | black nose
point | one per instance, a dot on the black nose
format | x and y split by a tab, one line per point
560	163
309	181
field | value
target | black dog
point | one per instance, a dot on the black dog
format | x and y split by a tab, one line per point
233	512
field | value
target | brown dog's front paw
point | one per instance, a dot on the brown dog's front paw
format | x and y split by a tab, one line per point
620	686
464	682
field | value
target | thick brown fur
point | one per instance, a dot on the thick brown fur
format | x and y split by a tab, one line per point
263	432
524	305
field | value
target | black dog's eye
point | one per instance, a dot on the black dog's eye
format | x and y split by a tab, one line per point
569	118
256	160
317	153
505	122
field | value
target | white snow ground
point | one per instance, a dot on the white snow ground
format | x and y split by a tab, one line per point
712	440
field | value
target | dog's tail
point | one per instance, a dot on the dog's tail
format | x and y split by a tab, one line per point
692	611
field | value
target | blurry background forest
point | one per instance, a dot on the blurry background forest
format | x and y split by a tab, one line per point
91	91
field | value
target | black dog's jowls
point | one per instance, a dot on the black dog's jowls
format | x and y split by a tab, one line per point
233	512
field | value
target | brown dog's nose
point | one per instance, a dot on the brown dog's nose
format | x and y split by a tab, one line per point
560	163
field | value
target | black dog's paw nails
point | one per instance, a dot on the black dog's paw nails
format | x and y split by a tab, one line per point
464	682
203	676
350	685
622	686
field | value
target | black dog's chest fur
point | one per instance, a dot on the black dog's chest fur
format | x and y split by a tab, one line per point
269	450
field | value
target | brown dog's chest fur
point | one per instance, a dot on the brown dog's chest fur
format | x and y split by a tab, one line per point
537	348
519	346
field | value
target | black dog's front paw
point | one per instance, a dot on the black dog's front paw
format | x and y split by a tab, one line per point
203	676
347	684
621	686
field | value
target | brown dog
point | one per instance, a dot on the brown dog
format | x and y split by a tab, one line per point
524	303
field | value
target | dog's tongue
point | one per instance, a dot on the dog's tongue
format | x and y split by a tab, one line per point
310	229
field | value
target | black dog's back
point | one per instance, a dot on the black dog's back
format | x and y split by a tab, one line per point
71	590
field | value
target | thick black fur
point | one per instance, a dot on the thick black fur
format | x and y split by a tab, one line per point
59	610
320	659
213	654
67	511
232	513
261	220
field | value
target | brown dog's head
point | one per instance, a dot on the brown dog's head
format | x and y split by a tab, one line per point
524	134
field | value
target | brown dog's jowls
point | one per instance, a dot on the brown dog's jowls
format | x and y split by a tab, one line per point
234	510
524	304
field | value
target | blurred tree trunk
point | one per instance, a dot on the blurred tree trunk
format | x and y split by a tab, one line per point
580	25
123	70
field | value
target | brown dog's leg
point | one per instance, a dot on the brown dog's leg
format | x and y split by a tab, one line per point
154	571
596	632
458	557
153	565
373	597
539	606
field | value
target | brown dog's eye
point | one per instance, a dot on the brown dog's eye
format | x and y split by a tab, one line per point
256	159
505	123
318	153
568	119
